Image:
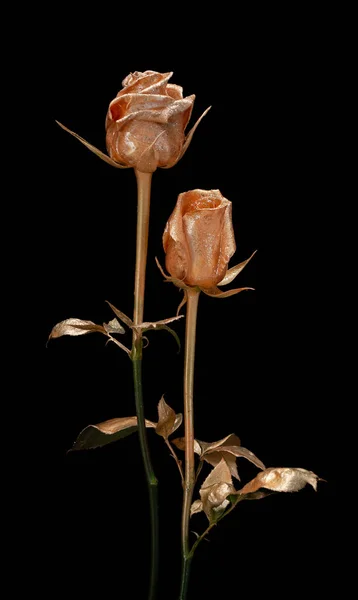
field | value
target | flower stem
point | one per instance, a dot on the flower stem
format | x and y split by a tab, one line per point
144	188
189	480
185	576
143	208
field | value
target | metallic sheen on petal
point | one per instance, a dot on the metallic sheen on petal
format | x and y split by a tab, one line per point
198	239
146	122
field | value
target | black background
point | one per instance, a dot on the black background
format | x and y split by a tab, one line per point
266	363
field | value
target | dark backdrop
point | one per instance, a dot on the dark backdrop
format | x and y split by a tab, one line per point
265	362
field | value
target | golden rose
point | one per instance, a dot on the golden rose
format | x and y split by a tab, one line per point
199	238
199	241
146	122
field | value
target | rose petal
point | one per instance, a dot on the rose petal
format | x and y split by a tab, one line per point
174	91
137	104
142	83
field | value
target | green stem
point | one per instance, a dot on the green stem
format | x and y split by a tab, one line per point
144	187
185	576
150	476
189	479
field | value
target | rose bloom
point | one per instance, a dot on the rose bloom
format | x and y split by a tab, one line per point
146	122
199	238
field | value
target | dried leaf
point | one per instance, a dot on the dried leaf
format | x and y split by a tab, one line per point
173	333
119	344
178	421
113	326
146	326
234	271
180	443
121	315
237	451
281	479
229	440
75	327
161	325
215	457
166	419
196	507
216	293
221	474
258	495
94	436
229	448
215	490
93	149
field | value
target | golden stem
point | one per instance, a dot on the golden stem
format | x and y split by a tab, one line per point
144	186
189	480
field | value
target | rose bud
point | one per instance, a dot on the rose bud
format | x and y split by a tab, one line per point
199	241
145	123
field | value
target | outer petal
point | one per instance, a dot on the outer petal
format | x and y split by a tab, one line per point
203	231
209	235
160	109
228	245
144	152
174	242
